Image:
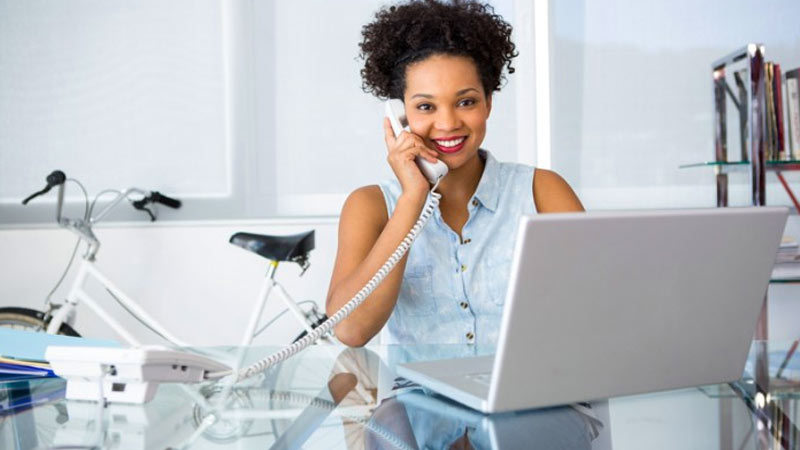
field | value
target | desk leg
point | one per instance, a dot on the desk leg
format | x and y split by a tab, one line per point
722	190
762	402
762	352
726	431
762	332
23	422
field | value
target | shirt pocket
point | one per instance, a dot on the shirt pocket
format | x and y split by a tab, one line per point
495	281
416	292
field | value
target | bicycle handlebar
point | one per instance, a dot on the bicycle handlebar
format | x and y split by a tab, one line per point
164	200
155	197
83	226
56	178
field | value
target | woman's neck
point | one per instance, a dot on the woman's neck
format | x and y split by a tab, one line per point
460	184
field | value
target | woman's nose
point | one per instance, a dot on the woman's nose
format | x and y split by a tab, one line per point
447	119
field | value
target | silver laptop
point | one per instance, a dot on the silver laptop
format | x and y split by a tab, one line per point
603	304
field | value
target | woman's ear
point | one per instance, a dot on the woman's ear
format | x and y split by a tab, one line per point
488	105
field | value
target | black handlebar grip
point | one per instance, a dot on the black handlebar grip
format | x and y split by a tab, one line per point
55	178
164	200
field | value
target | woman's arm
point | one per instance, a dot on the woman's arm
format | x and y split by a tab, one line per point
552	194
366	240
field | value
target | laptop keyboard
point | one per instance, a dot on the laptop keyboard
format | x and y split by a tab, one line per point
482	378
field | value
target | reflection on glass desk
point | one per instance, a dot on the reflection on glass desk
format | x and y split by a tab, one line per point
331	397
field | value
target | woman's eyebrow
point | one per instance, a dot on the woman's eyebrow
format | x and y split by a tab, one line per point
458	94
464	91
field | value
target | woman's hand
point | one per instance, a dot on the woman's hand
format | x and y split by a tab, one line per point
402	151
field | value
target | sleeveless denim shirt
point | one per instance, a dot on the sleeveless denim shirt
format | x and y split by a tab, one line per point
453	289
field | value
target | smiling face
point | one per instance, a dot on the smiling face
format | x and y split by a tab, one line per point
447	106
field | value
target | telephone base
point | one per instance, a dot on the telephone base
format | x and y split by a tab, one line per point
125	375
113	392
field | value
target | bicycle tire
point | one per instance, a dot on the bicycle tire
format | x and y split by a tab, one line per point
30	320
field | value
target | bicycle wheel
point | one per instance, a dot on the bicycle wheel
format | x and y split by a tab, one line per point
30	320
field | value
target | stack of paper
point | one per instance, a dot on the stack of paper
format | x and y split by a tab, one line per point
12	369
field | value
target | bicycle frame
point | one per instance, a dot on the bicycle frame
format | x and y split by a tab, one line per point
87	269
77	294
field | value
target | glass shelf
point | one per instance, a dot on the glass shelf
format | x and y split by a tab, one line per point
784	280
743	166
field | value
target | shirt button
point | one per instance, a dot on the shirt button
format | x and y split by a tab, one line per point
466	241
463	268
470	336
474	202
464	305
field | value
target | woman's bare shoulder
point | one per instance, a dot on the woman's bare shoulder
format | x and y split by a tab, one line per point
366	205
551	193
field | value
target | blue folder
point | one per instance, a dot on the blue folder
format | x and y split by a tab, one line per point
30	346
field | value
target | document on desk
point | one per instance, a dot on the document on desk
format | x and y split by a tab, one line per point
30	346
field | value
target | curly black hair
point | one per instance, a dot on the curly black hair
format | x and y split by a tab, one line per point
410	32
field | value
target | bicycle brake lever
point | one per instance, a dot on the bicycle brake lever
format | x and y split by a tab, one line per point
149	213
141	206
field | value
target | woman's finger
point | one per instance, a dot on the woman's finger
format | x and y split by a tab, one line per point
388	133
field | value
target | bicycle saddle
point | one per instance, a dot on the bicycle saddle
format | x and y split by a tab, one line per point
293	248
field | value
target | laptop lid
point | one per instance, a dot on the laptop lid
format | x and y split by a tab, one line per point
611	303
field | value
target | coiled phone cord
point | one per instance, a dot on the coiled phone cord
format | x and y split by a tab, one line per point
348	308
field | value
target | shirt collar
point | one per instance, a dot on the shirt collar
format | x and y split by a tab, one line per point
489	184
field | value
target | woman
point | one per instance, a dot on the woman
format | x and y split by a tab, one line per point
444	60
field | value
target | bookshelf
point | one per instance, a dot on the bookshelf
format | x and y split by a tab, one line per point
740	79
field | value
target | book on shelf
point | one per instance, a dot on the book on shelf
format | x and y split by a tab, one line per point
769	116
792	81
777	89
773	97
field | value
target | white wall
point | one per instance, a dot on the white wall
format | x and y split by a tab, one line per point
186	275
632	95
258	96
241	108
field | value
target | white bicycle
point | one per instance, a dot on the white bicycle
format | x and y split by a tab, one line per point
59	317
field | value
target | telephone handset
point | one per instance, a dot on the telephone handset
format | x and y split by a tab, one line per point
396	112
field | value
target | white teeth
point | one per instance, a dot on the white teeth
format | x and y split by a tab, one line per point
451	143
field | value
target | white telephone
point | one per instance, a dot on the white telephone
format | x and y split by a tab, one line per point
125	375
396	112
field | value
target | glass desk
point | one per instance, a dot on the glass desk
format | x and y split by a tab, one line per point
331	397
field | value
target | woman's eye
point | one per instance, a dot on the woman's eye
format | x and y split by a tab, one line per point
424	107
467	102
